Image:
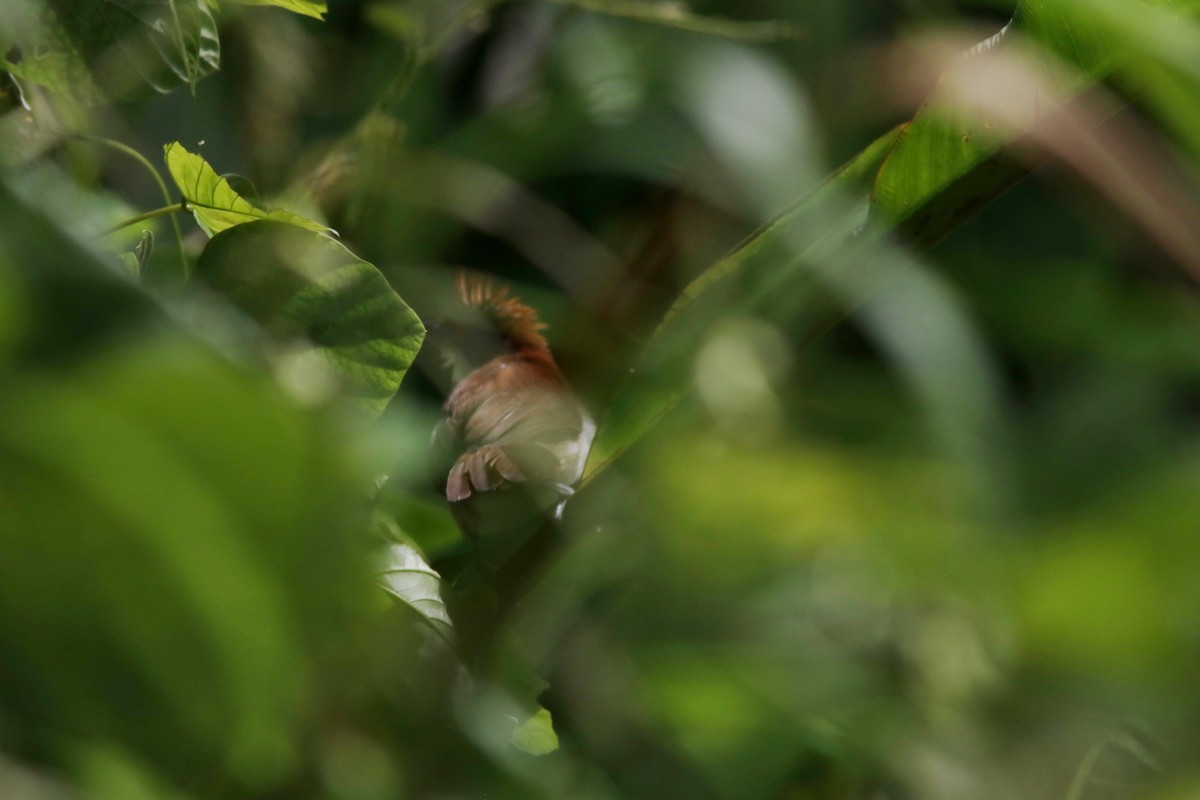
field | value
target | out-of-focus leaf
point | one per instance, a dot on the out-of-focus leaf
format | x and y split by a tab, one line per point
939	147
1095	598
214	202
662	377
83	211
104	50
21	783
72	301
536	735
407	578
424	27
195	527
309	8
1158	45
947	164
108	773
135	260
676	15
302	285
12	316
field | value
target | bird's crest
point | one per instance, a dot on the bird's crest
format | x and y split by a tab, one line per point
514	319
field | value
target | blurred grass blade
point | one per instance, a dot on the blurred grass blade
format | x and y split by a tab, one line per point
676	15
214	203
308	8
303	286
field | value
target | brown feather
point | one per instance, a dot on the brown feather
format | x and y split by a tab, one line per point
513	319
513	420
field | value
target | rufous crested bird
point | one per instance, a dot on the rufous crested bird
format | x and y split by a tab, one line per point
513	429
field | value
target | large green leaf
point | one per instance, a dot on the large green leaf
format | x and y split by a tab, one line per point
214	203
308	289
95	51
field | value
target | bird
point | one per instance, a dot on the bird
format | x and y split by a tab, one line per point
513	431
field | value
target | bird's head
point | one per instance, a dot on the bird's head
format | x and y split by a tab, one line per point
486	322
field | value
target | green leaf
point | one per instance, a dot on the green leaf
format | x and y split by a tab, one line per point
309	8
536	735
304	287
214	202
943	145
405	576
94	52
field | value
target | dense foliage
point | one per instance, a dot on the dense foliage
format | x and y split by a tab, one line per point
894	493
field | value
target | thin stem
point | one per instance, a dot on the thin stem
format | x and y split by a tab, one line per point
158	212
154	173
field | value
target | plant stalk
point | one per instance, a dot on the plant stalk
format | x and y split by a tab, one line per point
158	212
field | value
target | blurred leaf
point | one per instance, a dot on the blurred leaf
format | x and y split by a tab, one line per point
95	51
1099	604
425	26
213	201
947	164
110	774
1097	600
301	284
536	735
308	8
409	580
944	151
676	15
20	783
73	300
181	585
1157	45
84	211
663	375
